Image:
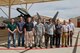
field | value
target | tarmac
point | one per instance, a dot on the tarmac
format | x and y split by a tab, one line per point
74	49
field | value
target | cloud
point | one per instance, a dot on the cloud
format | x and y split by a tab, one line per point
67	9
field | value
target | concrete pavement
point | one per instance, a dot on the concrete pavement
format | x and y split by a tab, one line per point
74	49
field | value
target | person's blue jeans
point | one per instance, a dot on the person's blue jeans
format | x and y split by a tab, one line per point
20	38
13	36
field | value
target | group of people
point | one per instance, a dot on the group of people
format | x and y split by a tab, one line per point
33	33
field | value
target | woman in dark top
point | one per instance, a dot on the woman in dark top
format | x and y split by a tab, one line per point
28	30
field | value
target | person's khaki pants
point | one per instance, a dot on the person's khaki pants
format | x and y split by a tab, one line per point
64	38
29	38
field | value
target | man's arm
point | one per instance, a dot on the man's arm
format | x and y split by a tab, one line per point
33	29
18	30
43	30
24	31
14	30
10	30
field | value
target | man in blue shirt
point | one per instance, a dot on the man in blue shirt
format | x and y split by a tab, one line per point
58	31
20	31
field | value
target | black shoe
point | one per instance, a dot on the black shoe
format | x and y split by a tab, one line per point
31	47
51	47
65	45
14	46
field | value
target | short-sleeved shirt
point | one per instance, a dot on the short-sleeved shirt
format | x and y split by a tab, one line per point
58	28
20	25
39	28
50	29
28	26
65	28
12	27
71	27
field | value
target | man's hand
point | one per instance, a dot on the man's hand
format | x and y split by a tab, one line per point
20	32
12	32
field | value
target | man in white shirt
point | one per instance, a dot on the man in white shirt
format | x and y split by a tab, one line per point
33	21
65	28
71	32
49	33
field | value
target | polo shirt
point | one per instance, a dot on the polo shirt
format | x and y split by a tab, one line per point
20	25
12	27
28	26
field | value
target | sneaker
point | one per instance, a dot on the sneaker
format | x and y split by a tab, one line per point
31	47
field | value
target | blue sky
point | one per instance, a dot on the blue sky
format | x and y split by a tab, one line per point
67	9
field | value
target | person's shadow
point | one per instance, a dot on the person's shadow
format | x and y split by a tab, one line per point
25	50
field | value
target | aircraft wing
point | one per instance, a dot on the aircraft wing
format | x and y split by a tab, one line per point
17	2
